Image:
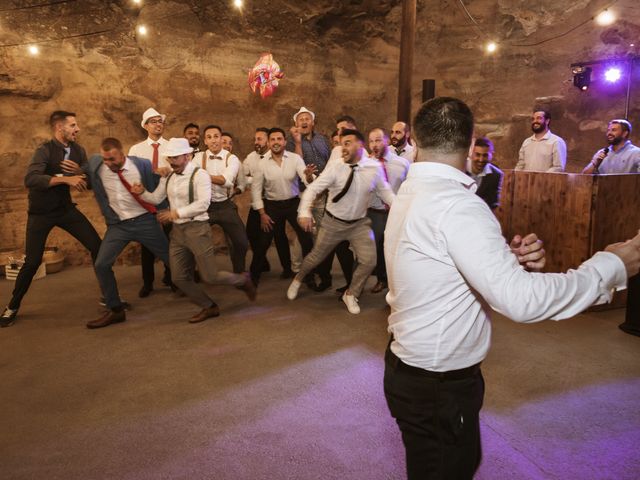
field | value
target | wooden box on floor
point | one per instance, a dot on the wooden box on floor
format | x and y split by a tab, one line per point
575	215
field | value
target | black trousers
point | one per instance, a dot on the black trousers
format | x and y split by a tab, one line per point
438	416
280	212
38	228
632	317
226	215
147	260
378	224
253	234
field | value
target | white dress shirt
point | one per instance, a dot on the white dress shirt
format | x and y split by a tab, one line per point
176	188
444	251
250	165
277	182
145	150
368	179
336	156
221	163
396	171
548	154
407	151
120	199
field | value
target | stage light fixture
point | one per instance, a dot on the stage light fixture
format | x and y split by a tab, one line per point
34	50
582	77
605	18
612	74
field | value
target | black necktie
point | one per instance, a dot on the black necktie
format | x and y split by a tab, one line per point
344	191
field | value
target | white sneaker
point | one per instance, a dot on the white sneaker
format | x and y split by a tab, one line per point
352	303
292	292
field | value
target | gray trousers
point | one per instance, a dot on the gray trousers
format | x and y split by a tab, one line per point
192	244
358	234
225	214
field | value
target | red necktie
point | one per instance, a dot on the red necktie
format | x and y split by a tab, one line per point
154	162
147	206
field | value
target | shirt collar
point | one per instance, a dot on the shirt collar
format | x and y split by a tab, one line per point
626	144
161	141
546	136
427	170
127	164
219	154
188	169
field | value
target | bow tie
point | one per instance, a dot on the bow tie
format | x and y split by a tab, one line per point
215	157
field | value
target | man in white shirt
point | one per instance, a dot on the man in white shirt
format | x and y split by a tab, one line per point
191	132
395	170
128	218
223	168
188	189
275	195
445	253
249	166
543	151
153	122
401	140
351	184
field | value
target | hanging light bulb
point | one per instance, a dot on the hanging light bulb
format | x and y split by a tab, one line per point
605	18
491	47
34	50
142	30
238	3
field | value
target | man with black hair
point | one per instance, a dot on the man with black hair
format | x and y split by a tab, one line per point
275	195
400	137
487	176
191	132
543	151
351	184
620	156
55	168
223	167
445	253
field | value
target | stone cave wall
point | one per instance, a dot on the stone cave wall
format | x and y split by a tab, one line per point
338	57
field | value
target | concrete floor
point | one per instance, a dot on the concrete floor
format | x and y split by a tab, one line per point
287	390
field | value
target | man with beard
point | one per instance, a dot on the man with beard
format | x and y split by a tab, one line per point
351	184
188	189
192	133
621	156
226	139
395	170
543	151
401	140
487	176
249	166
223	168
55	168
440	328
153	122
275	195
128	218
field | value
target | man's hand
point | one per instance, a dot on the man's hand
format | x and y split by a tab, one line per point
137	188
629	253
167	216
163	171
529	251
71	167
266	223
76	182
599	159
306	223
295	133
309	171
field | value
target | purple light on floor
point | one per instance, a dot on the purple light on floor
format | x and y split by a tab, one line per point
612	75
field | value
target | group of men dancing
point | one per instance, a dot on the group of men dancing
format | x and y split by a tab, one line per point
427	213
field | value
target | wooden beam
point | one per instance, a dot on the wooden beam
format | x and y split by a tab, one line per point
405	75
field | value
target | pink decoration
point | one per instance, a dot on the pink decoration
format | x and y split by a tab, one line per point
264	75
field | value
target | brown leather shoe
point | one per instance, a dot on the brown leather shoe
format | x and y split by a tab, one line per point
107	319
205	313
378	287
248	287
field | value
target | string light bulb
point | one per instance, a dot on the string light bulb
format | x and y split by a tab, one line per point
605	18
34	50
491	47
137	2
238	3
142	30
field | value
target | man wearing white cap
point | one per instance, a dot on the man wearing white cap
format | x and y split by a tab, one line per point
188	189
153	123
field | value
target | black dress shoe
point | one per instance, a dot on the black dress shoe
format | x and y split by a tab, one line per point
323	285
8	317
626	328
107	319
342	289
145	291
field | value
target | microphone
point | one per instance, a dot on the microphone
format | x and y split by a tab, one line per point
606	150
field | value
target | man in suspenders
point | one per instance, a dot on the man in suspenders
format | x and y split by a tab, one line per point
223	168
188	189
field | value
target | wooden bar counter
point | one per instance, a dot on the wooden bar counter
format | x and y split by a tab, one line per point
575	215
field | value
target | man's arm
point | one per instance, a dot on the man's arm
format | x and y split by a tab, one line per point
325	180
594	164
257	186
37	179
156	197
521	163
200	204
559	157
383	189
